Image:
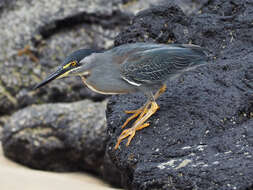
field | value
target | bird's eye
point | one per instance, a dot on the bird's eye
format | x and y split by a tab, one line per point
73	63
70	64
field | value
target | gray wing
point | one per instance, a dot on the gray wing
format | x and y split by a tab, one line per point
159	64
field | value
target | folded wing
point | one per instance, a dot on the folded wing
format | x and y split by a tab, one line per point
161	62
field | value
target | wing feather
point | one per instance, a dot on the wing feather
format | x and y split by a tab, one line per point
160	62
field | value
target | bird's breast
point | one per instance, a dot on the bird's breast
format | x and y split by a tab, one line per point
106	79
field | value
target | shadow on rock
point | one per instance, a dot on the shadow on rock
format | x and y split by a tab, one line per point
59	137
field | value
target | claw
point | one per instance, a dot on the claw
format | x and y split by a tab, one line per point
144	114
137	129
138	124
130	138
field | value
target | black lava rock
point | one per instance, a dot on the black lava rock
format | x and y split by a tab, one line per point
201	137
160	24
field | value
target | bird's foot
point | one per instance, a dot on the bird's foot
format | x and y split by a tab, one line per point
129	132
135	113
149	109
143	110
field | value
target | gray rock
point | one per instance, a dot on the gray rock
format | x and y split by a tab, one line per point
134	6
191	6
201	137
57	137
5	4
52	30
3	120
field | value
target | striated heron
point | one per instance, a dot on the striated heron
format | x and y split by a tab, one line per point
131	68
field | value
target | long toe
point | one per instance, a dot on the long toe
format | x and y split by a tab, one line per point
149	109
136	113
133	111
122	136
141	111
131	133
131	136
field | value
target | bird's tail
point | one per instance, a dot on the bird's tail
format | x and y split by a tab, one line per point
202	52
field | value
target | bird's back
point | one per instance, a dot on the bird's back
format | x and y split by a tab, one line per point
148	63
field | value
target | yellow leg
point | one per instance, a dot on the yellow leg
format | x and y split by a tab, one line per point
138	125
143	109
160	91
132	111
137	129
140	112
136	113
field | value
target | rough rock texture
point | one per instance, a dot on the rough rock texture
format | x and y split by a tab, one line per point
48	136
52	30
3	120
201	138
191	6
222	27
58	137
135	6
160	24
109	172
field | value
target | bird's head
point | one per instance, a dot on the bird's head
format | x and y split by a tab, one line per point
70	66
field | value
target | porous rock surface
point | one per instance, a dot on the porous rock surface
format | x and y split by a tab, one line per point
57	137
201	137
60	137
52	29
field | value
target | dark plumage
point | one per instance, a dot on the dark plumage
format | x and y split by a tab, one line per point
129	68
155	63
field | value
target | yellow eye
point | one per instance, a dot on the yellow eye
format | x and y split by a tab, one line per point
73	63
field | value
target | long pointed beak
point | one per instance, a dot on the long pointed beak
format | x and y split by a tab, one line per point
57	74
79	71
